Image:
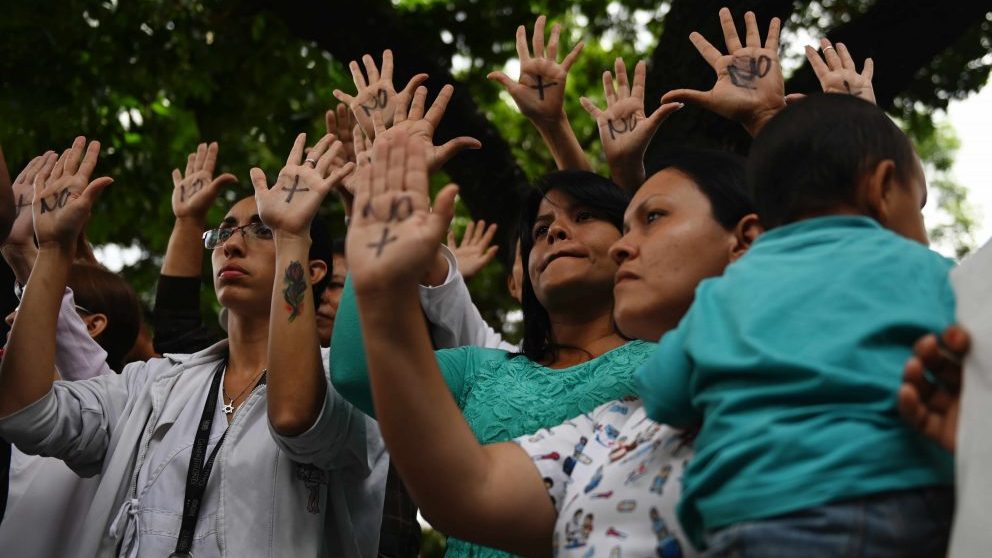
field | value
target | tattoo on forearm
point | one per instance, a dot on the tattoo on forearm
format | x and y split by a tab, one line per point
541	86
292	190
621	125
378	102
187	193
381	244
744	71
59	200
295	289
21	204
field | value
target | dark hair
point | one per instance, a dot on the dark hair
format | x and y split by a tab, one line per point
320	249
100	291
605	199
809	157
337	247
719	175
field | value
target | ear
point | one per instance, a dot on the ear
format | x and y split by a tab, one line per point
95	324
876	187
318	269
513	287
745	233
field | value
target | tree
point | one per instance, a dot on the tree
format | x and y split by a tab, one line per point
152	78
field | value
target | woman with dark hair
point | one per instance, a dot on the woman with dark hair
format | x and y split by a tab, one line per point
611	473
573	357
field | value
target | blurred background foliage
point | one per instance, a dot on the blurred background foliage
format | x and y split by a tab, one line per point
152	78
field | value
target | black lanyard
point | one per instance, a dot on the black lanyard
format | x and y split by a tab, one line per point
199	472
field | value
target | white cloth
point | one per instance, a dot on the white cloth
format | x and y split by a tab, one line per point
301	496
45	497
453	317
971	535
615	477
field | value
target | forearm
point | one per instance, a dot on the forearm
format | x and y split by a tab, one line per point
184	254
564	146
27	369
296	381
20	258
464	488
628	174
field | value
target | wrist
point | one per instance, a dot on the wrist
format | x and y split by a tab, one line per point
55	249
290	239
553	125
755	122
190	222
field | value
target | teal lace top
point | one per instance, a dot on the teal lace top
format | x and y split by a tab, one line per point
502	396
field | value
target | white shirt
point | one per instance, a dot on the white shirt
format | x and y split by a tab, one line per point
615	477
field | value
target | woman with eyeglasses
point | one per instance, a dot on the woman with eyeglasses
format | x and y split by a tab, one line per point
203	454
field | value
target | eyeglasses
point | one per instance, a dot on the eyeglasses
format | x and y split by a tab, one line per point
217	237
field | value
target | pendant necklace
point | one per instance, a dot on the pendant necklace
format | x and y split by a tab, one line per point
228	408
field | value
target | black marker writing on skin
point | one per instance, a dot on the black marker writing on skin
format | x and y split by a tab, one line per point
400	209
541	86
621	125
745	70
21	203
378	102
381	244
58	201
185	194
292	190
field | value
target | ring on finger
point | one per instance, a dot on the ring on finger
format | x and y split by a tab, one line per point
825	49
313	164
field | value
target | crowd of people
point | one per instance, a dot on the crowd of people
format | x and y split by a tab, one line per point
721	356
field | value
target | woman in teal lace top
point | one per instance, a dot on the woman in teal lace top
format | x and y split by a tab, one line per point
573	358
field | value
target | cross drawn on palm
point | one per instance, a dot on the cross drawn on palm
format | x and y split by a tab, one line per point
394	233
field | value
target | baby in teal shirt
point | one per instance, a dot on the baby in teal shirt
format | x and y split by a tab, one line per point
790	363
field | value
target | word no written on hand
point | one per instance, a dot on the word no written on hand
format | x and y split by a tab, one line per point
59	200
400	209
621	125
378	102
744	71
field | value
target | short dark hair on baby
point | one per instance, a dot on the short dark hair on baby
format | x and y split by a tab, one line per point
809	158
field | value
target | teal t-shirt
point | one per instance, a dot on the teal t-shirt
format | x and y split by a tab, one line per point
791	363
502	396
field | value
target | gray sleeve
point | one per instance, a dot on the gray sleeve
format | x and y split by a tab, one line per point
73	421
454	319
338	439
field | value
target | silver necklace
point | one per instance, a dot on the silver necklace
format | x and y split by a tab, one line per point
228	408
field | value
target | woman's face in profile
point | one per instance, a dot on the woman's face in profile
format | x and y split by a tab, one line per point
671	242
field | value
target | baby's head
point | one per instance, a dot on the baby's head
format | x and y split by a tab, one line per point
837	155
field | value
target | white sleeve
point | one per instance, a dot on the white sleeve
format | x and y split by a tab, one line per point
77	355
455	321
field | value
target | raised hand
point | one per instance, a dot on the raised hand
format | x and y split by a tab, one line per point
340	123
540	90
194	190
420	126
377	94
837	72
22	231
474	252
290	204
624	129
394	235
749	87
363	161
932	404
64	194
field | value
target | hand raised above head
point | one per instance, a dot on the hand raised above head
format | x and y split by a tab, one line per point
195	190
540	90
64	194
838	73
22	230
377	93
749	86
412	120
394	233
341	123
624	128
290	204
